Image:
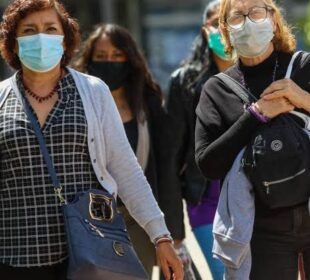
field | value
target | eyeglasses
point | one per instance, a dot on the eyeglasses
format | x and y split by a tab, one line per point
255	14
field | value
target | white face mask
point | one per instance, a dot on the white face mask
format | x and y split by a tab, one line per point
253	38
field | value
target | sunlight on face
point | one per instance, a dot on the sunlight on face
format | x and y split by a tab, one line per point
104	50
45	21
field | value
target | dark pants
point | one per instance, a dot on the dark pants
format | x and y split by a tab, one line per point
277	241
54	272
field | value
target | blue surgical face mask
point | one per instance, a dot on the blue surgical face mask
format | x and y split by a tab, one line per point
40	52
216	45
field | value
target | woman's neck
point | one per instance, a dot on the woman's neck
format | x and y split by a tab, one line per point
118	94
252	61
41	83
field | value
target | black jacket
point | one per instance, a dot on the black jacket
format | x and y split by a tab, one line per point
158	168
223	127
184	93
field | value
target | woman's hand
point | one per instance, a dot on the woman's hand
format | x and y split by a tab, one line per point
286	88
169	262
274	107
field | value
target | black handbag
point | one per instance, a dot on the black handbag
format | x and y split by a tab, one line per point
277	158
98	244
277	162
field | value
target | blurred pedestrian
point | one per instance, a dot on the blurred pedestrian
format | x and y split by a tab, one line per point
264	43
85	137
111	54
208	58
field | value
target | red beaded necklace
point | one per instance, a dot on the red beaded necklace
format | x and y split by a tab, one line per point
39	98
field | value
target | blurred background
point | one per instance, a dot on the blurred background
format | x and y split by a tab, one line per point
165	29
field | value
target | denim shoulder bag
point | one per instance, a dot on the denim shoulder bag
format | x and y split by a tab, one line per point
98	243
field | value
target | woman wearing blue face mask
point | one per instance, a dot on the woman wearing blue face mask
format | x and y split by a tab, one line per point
207	59
85	138
264	44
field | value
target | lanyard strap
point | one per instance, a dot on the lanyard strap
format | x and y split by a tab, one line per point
37	129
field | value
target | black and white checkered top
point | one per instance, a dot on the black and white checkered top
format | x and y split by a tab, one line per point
31	225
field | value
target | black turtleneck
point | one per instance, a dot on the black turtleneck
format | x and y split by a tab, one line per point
223	127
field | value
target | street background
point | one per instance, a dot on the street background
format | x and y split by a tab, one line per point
165	30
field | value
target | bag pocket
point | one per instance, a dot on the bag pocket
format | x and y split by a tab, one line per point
283	180
284	192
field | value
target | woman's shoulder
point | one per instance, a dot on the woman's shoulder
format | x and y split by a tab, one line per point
304	59
91	85
184	74
214	86
5	89
6	83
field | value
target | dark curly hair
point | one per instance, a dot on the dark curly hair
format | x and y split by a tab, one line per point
18	10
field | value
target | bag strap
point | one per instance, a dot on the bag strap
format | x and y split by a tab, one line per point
237	88
290	66
37	129
241	91
246	96
288	74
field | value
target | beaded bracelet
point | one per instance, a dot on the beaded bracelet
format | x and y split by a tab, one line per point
258	115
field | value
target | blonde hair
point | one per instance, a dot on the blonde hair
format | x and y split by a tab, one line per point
283	40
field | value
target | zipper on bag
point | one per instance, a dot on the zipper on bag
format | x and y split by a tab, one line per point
268	184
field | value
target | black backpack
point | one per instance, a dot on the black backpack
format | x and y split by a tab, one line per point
277	158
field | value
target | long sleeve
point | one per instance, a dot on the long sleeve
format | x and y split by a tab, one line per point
223	128
113	160
122	164
170	198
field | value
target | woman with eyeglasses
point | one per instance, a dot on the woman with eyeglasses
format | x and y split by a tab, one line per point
264	44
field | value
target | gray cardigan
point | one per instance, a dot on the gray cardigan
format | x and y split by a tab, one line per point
233	223
113	160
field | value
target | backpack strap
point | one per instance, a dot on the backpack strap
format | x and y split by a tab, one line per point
304	117
290	66
241	91
237	88
246	96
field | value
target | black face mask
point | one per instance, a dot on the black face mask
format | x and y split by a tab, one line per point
113	74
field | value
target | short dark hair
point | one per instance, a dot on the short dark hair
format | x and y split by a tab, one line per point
18	10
